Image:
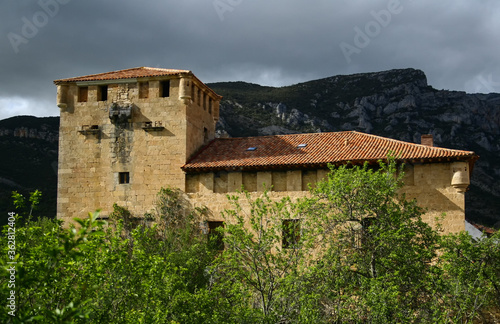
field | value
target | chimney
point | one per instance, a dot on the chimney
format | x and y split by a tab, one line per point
427	140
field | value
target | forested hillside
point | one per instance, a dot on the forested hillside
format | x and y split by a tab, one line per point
29	160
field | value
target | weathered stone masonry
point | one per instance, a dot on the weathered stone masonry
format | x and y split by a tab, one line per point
430	184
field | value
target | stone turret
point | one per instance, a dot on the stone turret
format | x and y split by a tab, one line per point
461	178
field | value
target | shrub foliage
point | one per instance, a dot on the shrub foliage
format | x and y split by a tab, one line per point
354	251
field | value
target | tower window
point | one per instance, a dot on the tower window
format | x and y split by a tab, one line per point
205	135
165	88
102	93
143	90
83	93
123	177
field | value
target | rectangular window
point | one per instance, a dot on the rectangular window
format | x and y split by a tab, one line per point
290	233
83	93
165	88
143	90
123	177
102	93
205	135
215	236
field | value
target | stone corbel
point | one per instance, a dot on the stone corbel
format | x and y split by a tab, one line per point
460	176
62	96
185	90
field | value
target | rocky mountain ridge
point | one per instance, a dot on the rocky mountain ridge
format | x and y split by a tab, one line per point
45	128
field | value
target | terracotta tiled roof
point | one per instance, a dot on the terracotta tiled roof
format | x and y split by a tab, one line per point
283	152
138	72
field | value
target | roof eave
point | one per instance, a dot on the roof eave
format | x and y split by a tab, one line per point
322	165
81	79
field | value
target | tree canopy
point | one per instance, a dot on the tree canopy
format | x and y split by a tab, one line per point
355	250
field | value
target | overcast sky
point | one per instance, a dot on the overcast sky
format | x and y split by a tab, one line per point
269	42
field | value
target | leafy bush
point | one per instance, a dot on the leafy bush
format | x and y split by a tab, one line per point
355	251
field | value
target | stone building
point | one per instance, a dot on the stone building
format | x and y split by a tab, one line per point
125	134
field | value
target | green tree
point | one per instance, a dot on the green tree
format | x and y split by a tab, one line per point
265	257
20	204
364	253
89	274
377	253
45	269
354	251
152	269
472	269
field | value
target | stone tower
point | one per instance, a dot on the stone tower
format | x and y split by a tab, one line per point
125	134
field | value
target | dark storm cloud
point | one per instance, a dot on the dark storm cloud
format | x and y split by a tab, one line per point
279	42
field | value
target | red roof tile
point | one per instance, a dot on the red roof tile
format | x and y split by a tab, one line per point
138	72
282	151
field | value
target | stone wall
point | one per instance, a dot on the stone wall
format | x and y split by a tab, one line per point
433	191
429	184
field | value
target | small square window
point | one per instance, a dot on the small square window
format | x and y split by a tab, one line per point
290	233
123	177
83	93
165	88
